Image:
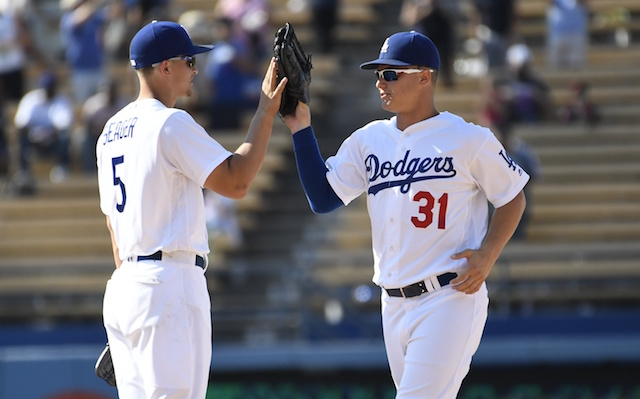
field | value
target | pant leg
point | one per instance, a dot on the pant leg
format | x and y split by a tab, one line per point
25	150
4	146
553	44
128	376
84	84
158	313
63	148
199	305
430	341
577	54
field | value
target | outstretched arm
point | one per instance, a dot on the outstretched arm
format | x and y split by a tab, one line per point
311	167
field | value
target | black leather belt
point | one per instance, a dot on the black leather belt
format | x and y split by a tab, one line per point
158	256
420	288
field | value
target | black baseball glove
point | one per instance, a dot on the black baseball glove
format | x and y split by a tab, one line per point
104	367
295	65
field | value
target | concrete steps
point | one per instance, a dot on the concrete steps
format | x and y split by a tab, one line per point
38	230
609	193
537	8
575	213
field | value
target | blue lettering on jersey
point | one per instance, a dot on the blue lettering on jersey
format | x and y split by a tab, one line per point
417	169
510	162
119	130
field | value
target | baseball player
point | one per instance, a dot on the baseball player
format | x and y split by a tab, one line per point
427	176
153	161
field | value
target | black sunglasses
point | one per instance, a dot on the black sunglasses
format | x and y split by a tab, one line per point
191	60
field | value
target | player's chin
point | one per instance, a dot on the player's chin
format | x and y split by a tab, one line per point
189	88
386	102
387	106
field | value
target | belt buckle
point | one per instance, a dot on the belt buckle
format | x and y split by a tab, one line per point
402	292
423	287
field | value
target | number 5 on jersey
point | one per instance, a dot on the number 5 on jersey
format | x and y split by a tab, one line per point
117	182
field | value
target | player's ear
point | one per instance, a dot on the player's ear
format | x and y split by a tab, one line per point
163	67
425	76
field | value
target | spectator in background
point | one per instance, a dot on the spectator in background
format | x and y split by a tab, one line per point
126	17
494	109
325	17
82	26
124	22
567	33
43	120
250	23
494	113
527	92
494	21
149	9
16	46
430	18
579	107
96	111
232	71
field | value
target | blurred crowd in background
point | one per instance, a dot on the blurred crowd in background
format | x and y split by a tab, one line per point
56	93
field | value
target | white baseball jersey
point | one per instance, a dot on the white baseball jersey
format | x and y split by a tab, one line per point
427	189
152	164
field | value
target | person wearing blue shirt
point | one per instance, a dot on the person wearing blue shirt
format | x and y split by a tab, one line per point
231	72
567	33
81	27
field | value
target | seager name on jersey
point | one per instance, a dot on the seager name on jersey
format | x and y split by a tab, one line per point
119	130
417	169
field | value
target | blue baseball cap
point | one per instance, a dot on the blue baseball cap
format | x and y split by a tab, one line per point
160	40
404	49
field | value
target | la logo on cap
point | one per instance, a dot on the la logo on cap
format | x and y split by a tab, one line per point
385	46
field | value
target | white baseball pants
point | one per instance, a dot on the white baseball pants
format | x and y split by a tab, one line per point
158	322
430	340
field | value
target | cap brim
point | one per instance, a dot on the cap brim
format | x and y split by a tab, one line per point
380	61
200	49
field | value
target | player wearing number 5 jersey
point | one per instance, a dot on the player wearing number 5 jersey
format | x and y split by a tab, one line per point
427	177
153	161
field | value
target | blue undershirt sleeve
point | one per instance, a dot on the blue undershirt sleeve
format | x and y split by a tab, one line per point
313	173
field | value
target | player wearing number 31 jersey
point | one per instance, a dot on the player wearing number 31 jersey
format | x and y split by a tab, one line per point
427	176
153	162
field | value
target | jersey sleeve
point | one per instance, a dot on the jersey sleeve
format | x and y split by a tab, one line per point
189	148
497	174
345	172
